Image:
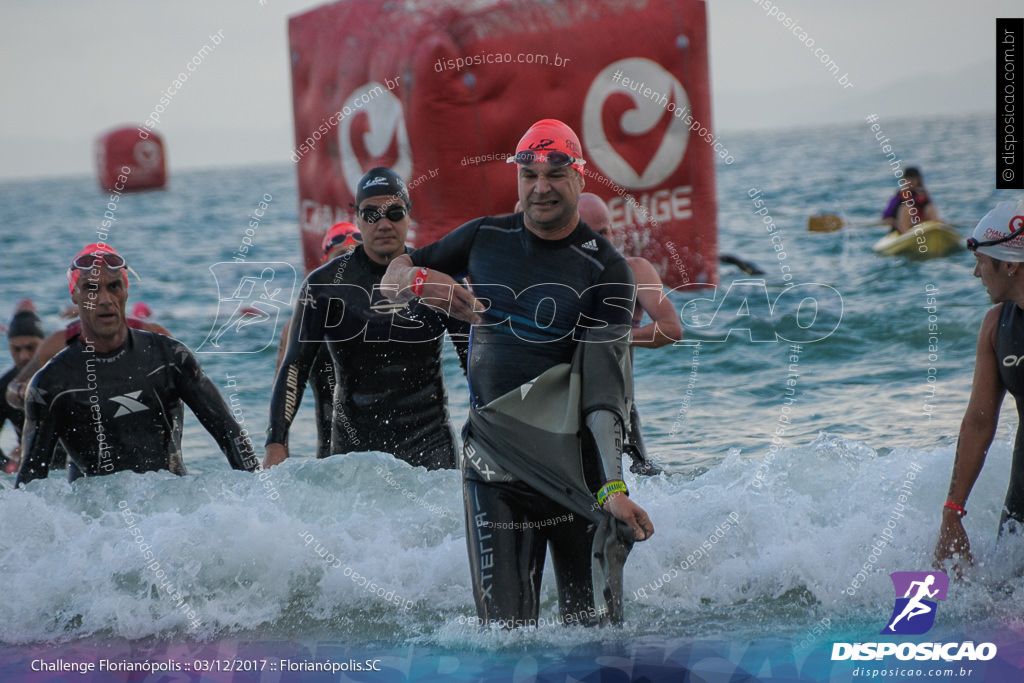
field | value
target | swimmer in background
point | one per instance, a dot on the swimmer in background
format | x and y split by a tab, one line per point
24	335
664	328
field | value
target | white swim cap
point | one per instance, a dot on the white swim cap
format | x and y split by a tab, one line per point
1007	218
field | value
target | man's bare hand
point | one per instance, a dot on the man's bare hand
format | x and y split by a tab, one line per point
442	292
439	290
953	541
275	453
628	512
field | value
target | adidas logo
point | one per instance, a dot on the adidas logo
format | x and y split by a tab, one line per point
590	244
128	404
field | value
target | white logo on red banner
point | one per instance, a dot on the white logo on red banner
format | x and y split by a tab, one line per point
650	141
147	153
384	121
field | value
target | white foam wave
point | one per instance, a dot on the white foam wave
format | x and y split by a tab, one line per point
368	547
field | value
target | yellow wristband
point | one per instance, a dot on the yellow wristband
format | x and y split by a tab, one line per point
605	492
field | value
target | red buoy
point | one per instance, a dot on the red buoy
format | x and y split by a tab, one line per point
130	159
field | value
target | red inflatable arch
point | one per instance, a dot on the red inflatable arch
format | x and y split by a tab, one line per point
130	159
454	86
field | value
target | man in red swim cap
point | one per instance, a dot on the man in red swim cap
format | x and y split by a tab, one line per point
114	397
340	239
551	384
51	345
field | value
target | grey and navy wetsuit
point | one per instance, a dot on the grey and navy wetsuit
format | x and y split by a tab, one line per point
123	410
390	393
1010	352
538	292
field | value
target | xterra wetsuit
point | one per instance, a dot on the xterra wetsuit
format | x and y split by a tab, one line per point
1010	352
538	294
390	393
122	410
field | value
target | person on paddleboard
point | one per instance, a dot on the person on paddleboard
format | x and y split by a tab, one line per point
550	382
663	329
911	205
998	246
114	397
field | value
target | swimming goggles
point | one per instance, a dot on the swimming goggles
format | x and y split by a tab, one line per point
554	158
372	215
973	244
88	261
344	240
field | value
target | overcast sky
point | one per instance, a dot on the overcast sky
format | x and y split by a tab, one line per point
70	69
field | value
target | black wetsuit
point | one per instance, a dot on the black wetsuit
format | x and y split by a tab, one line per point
1010	352
390	393
123	410
538	292
9	413
321	383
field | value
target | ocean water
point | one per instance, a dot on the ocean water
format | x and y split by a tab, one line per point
767	512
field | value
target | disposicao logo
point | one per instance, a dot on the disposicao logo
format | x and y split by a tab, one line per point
913	614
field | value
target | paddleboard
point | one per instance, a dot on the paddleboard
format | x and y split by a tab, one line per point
930	239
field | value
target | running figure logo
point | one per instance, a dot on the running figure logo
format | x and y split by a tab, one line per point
262	291
914	613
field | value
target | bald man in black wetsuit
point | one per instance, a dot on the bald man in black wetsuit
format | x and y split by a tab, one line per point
542	458
390	394
113	398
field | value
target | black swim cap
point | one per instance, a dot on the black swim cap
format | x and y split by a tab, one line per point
25	324
381	181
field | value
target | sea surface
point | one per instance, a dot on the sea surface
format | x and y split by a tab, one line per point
786	462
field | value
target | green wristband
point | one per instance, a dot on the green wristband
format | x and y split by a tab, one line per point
605	492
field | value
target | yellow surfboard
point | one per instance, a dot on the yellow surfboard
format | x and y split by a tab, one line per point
930	239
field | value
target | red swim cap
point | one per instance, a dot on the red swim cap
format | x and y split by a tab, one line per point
342	234
78	265
141	310
551	135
